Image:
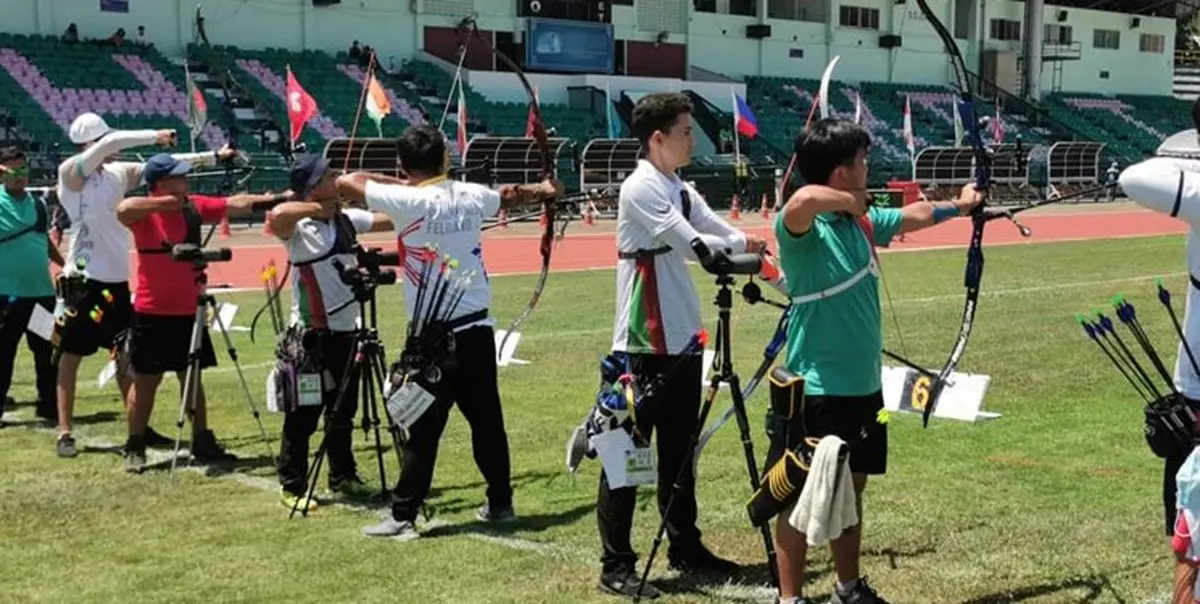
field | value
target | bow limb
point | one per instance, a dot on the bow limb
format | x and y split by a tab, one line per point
979	215
549	205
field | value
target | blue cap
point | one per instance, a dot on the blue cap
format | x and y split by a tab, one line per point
307	170
164	166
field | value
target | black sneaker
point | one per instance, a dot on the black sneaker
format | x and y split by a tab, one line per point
65	445
625	583
500	515
861	593
157	440
698	559
352	488
205	448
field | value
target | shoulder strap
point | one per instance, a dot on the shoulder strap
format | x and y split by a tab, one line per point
40	223
343	242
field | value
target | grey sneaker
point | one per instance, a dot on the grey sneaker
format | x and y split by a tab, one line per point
400	530
66	445
135	460
504	515
861	593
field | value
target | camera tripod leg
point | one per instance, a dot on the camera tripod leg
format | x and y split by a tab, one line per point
739	406
684	467
371	409
191	382
233	356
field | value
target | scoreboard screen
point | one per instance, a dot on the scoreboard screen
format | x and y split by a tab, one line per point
599	11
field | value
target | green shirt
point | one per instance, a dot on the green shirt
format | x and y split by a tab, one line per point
25	272
835	342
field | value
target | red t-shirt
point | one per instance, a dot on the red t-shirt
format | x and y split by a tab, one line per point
166	286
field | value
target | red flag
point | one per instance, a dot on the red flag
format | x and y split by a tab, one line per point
300	106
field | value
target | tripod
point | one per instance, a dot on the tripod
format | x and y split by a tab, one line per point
205	303
368	367
722	373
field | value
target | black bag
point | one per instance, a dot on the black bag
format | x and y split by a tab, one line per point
294	356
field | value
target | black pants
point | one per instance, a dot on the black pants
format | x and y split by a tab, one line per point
334	351
674	414
14	318
473	386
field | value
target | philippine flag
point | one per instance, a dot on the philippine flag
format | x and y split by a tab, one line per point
743	118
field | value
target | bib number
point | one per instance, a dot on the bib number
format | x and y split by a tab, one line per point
408	403
308	386
915	395
640	467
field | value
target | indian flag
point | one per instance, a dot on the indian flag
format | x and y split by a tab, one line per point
377	103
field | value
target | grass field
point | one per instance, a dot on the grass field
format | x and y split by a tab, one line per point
1056	501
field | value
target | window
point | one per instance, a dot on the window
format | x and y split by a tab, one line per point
859	17
1106	38
1004	29
1152	43
705	6
625	2
1059	35
743	7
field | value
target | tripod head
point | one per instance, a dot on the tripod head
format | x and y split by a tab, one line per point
367	275
200	257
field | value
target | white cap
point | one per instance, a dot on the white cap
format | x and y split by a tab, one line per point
88	127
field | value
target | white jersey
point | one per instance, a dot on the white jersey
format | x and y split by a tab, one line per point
96	241
319	297
449	216
1172	186
657	309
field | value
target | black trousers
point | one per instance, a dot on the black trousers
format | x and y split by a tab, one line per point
335	351
673	413
473	386
14	318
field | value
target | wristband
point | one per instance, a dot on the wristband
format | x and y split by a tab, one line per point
943	213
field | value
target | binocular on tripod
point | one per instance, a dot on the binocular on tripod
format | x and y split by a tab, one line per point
190	252
368	273
720	262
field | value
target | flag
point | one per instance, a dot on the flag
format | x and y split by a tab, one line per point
743	118
197	108
377	103
531	119
610	114
908	127
997	126
462	122
300	106
857	107
959	132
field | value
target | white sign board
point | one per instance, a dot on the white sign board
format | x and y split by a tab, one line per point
962	398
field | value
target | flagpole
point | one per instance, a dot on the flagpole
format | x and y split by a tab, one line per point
188	91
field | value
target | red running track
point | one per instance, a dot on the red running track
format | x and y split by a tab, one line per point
581	250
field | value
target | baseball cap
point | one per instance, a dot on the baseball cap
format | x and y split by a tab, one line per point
88	127
307	171
164	166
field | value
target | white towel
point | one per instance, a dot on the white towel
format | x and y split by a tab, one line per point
823	512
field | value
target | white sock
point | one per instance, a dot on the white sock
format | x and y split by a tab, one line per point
844	588
790	600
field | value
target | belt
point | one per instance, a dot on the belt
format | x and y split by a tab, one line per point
639	254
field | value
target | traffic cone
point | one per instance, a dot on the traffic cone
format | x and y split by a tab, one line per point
764	209
226	233
503	219
735	208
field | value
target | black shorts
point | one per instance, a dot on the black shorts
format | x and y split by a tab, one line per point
102	311
855	419
160	344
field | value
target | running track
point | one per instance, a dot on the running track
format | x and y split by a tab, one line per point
581	250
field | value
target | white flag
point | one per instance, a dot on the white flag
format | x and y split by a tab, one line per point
908	129
857	107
